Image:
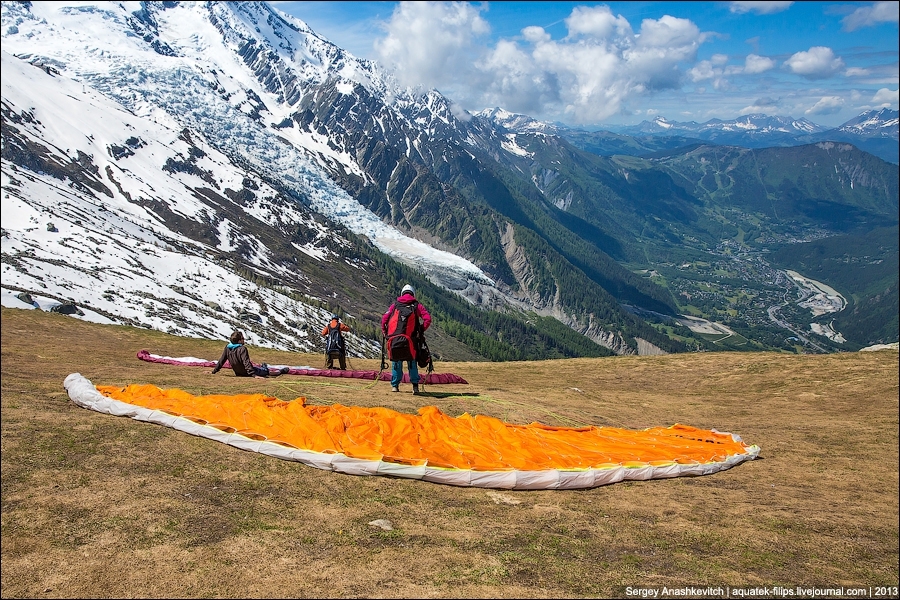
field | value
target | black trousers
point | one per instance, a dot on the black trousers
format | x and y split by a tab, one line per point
342	360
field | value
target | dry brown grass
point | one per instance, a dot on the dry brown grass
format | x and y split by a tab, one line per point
102	506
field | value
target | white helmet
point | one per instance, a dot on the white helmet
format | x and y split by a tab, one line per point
408	288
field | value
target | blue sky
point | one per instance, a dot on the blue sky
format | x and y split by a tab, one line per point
591	63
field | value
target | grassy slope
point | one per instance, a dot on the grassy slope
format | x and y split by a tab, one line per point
102	506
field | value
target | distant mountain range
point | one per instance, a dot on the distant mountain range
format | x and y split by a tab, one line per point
755	125
875	131
196	167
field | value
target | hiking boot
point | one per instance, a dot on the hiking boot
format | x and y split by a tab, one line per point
415	388
395	388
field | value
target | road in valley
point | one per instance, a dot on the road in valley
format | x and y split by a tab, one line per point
773	316
818	297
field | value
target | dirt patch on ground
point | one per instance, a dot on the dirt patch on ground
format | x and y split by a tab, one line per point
102	506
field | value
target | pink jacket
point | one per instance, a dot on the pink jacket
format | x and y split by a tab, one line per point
421	311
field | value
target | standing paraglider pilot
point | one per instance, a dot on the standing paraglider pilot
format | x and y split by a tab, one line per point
334	343
403	326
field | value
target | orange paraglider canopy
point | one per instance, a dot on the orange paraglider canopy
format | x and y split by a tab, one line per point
433	441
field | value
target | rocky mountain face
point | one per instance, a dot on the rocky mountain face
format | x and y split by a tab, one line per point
257	156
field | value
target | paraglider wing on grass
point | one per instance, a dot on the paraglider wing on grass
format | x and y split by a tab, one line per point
190	361
468	450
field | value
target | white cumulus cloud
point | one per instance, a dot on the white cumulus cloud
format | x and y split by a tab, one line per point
826	106
588	75
868	16
857	72
754	64
717	68
598	23
432	43
818	62
703	70
884	96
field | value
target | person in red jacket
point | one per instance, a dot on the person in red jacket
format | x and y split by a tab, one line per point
402	325
334	342
237	356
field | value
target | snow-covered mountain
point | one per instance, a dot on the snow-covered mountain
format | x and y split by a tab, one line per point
132	92
92	223
882	123
517	122
749	125
188	66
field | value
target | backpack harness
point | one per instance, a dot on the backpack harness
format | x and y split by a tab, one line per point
405	339
334	341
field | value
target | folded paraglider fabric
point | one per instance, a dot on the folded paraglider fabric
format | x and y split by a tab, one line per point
191	361
466	450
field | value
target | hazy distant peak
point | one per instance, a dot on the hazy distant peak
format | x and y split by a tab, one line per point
875	123
515	122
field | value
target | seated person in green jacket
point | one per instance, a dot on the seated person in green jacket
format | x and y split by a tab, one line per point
237	356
